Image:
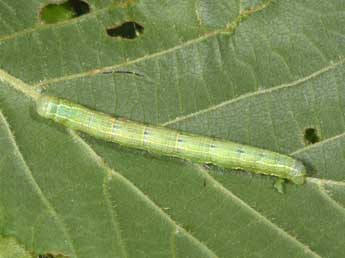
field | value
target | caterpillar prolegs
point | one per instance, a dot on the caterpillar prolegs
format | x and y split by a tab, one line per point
168	142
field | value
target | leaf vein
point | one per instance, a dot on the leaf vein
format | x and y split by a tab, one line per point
36	188
333	202
124	180
330	67
228	29
113	216
255	213
318	144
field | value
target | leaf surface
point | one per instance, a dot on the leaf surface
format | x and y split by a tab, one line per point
255	72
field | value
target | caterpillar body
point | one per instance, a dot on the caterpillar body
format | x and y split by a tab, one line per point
169	142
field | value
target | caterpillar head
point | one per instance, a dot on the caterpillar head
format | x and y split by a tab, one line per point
299	173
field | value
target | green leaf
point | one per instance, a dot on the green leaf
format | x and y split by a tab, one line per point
10	248
53	13
259	72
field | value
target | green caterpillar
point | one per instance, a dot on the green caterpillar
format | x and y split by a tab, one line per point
164	141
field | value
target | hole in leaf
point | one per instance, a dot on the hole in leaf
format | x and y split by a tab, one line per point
127	30
80	7
311	136
57	12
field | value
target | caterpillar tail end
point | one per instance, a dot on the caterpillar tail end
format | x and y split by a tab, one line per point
299	173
